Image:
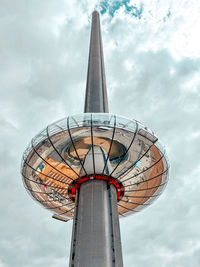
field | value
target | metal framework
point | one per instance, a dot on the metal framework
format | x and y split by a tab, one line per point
149	177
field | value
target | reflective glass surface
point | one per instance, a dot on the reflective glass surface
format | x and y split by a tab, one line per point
56	157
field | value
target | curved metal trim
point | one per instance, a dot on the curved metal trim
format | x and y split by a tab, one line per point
38	192
144	170
74	144
63	160
49	186
147	188
136	130
67	212
110	145
44	175
132	165
92	146
126	208
64	205
139	204
153	196
49	163
147	179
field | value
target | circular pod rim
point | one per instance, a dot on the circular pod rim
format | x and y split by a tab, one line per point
55	163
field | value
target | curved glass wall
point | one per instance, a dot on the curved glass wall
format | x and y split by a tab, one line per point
55	159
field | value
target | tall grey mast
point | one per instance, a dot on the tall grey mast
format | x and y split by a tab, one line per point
96	93
96	237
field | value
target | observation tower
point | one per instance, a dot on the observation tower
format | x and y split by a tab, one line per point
94	168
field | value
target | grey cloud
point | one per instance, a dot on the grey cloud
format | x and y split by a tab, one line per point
42	79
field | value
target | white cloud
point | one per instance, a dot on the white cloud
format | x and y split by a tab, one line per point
152	68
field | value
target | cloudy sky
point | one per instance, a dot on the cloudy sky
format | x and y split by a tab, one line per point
152	60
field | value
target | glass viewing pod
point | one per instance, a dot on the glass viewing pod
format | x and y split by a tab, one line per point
53	165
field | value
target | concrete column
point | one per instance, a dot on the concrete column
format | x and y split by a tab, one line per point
96	234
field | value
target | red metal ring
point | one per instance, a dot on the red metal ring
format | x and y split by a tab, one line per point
76	185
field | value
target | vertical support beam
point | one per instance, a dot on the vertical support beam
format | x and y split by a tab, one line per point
96	93
96	237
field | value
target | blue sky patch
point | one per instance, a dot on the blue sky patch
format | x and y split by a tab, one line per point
112	7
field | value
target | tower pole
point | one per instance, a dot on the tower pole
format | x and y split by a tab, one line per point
96	237
96	93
